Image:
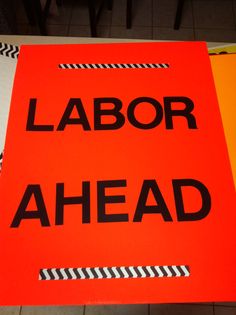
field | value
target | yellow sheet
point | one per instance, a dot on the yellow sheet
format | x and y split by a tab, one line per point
230	49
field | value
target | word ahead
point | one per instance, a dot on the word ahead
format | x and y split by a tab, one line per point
148	186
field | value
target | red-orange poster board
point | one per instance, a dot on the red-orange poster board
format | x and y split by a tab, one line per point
116	185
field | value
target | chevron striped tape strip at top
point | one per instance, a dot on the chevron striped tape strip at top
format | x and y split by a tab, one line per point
8	50
113	65
114	272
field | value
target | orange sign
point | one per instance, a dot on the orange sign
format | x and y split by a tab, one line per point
224	69
116	185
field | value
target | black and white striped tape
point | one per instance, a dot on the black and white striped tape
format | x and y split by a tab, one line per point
1	157
9	50
113	65
114	272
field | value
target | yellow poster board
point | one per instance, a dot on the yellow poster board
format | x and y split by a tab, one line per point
225	49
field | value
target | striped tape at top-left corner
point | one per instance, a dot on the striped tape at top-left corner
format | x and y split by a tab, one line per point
8	50
1	157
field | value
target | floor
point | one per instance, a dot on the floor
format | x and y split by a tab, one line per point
210	20
154	309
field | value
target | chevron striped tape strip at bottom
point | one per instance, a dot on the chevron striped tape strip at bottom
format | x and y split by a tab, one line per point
8	50
114	272
113	65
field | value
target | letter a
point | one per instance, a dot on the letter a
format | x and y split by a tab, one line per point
40	213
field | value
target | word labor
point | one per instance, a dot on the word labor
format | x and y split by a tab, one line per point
142	208
118	118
